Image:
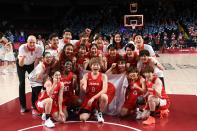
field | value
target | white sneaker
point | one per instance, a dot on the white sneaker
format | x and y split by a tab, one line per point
145	114
49	123
99	117
139	115
43	117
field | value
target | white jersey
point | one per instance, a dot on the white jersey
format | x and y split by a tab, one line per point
37	76
62	44
30	57
53	52
149	48
153	63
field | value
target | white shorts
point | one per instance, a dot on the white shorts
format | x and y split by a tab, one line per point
162	102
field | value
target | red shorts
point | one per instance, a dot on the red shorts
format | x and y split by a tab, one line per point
95	104
130	102
70	100
110	92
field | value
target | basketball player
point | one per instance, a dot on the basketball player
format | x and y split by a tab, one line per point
157	98
38	76
94	84
50	101
136	88
131	56
145	59
70	98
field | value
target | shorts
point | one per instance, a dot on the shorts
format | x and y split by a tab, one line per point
85	106
54	109
70	100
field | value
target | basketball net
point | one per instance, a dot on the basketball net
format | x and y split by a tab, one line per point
133	27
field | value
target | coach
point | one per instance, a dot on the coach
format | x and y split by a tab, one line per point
29	55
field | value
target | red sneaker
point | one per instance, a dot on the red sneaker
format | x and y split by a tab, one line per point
149	121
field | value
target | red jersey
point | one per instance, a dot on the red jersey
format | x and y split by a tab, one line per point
111	60
81	59
131	60
91	56
56	92
149	85
135	91
77	46
43	95
68	84
94	86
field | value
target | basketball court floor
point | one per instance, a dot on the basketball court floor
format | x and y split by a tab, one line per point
181	85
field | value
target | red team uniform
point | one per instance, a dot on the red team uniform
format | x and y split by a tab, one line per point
132	95
164	96
43	95
111	60
94	86
68	96
133	60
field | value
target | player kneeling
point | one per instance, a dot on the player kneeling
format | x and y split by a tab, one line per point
94	84
50	101
157	99
136	88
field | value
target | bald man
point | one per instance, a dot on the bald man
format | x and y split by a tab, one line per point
29	55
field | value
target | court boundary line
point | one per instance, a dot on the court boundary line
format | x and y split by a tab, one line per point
108	123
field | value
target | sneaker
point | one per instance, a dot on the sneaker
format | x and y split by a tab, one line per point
99	117
43	117
149	121
145	114
138	115
49	123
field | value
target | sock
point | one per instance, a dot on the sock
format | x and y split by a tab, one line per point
47	116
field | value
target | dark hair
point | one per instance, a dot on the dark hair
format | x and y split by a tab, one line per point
131	46
121	58
1	35
67	30
62	53
144	53
93	45
83	34
111	46
68	44
52	36
98	36
45	53
68	60
121	42
148	69
83	46
132	70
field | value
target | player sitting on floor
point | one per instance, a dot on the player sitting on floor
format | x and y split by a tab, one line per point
157	99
